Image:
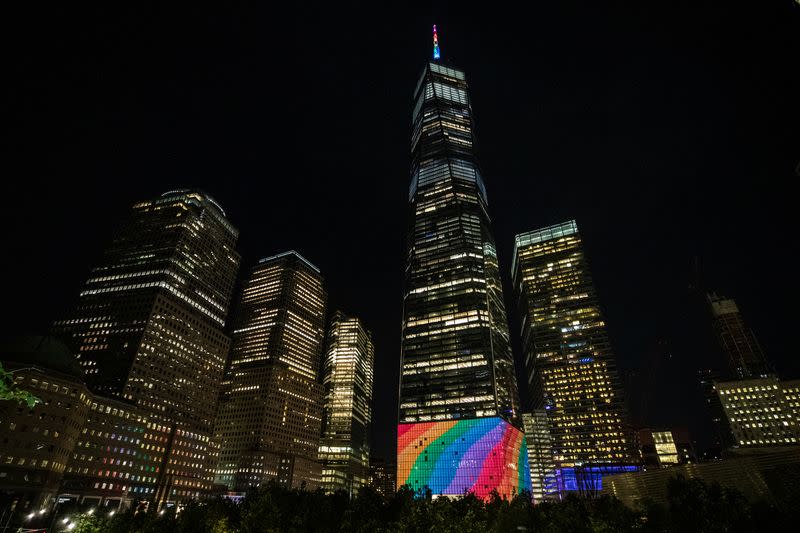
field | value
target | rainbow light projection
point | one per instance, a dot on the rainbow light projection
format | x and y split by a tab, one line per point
435	43
455	456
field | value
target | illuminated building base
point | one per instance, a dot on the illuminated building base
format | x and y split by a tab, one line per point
452	457
588	479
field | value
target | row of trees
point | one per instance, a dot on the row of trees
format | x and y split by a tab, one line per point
693	506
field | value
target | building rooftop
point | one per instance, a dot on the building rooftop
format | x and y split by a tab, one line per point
540	235
41	351
289	253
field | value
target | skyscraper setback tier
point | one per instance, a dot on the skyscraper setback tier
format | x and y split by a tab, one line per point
148	327
569	364
268	425
347	377
456	355
459	406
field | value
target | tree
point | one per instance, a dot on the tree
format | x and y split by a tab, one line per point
9	390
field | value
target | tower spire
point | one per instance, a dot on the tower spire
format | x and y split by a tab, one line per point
435	43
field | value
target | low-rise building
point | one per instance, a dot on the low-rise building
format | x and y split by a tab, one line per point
761	412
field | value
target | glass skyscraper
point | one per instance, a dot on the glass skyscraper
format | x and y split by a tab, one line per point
457	387
347	377
270	413
540	455
569	364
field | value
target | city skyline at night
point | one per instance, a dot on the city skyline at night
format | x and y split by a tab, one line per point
227	241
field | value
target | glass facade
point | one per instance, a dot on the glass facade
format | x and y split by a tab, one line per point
478	455
569	364
540	455
456	356
588	480
347	378
270	412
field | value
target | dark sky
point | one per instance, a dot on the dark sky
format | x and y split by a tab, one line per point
668	132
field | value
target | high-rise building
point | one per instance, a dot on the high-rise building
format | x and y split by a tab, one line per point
148	326
540	455
268	425
458	391
347	377
149	323
569	364
738	343
761	412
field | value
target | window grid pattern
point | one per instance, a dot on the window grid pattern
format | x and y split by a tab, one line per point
569	364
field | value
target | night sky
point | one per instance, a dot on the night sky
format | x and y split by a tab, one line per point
669	133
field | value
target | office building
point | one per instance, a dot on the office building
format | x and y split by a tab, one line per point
540	456
347	378
664	447
760	412
382	477
569	365
148	326
77	446
458	389
270	413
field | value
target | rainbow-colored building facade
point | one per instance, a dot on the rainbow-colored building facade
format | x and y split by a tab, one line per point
451	457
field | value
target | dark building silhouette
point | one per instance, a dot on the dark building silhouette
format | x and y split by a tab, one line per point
722	437
270	412
382	476
738	343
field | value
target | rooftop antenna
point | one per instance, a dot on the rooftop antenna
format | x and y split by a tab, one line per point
436	54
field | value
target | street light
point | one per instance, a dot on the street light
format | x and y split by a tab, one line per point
111	513
66	519
71	526
30	516
90	511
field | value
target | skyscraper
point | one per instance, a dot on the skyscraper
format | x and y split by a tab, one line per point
744	356
148	326
458	392
540	455
268	425
347	376
569	363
